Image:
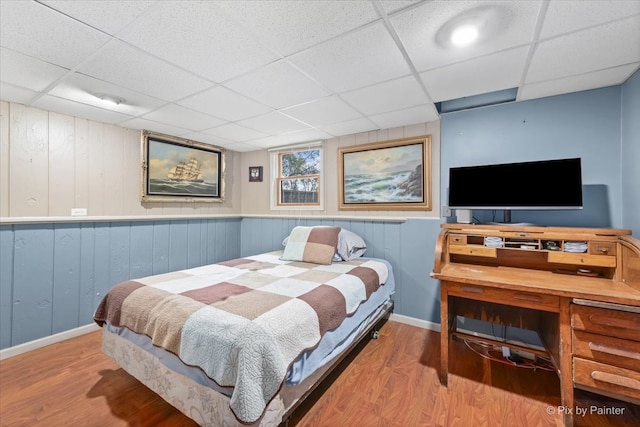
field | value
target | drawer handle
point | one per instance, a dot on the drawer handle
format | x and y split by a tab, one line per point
615	323
616	380
472	289
528	297
615	351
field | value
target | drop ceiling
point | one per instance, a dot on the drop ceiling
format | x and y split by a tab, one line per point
250	75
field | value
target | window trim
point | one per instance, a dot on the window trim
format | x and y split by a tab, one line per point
276	156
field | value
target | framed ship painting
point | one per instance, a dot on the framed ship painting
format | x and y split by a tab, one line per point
390	175
180	170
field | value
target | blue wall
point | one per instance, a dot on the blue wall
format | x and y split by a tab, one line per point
583	124
53	275
630	160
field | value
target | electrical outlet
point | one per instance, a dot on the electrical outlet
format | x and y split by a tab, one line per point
446	211
506	352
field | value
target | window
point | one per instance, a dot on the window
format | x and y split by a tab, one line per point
296	177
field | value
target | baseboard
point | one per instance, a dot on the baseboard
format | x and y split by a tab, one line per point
43	342
424	324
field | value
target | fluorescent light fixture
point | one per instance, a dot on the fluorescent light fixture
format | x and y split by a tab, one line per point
111	99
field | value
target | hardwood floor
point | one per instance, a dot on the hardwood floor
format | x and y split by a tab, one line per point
391	381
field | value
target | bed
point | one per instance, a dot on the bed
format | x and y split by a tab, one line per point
245	341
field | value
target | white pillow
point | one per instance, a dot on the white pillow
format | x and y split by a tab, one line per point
350	245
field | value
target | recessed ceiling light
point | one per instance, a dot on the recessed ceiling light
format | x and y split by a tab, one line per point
111	99
474	26
464	35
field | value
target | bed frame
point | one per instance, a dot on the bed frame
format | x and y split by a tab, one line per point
210	408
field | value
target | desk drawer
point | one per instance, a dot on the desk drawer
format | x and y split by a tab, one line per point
475	250
602	248
607	349
607	378
620	324
531	300
582	259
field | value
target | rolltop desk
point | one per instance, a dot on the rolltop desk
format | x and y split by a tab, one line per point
579	288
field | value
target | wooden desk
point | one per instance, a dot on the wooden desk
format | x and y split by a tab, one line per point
574	300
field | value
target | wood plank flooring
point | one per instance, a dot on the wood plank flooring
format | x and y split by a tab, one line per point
391	381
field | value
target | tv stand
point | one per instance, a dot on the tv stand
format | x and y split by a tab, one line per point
584	303
506	216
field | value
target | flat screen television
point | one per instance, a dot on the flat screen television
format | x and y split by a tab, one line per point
546	184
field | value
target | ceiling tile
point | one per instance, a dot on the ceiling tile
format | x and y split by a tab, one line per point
583	14
396	94
304	135
357	59
240	147
36	30
177	115
273	123
109	16
15	94
499	71
207	139
267	142
278	85
586	51
198	37
391	6
234	132
420	114
28	72
126	66
224	103
587	81
291	26
349	127
510	24
139	123
323	111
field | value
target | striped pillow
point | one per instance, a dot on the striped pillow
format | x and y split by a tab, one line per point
312	244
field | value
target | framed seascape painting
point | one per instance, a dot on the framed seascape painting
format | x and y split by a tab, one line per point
181	170
391	175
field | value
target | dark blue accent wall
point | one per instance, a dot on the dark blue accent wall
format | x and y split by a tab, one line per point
630	159
582	124
52	275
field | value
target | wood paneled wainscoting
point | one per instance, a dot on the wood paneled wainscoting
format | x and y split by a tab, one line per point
391	381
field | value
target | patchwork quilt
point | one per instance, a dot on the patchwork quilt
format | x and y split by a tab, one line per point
244	321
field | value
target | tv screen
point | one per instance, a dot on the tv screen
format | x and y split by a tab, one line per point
548	184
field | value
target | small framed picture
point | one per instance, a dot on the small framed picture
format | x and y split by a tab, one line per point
255	173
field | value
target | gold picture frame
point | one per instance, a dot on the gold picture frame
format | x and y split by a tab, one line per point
390	175
180	170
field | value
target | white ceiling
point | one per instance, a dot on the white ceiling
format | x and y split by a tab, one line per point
250	75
